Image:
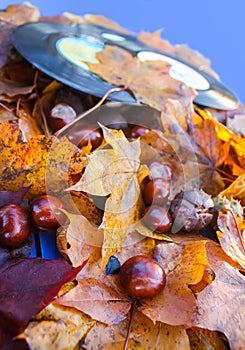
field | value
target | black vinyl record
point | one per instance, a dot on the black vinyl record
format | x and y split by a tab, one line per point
58	50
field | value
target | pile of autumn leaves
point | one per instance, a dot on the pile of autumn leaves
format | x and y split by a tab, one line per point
202	305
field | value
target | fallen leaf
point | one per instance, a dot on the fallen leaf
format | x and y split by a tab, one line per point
236	189
144	335
57	327
106	168
180	51
184	264
230	237
203	339
27	286
118	67
43	163
220	306
12	197
20	14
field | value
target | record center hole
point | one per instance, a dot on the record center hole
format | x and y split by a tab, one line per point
178	71
79	50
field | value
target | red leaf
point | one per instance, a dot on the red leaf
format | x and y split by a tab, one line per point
27	286
12	197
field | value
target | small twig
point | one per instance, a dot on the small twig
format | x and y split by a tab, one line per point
229	177
81	116
131	315
7	109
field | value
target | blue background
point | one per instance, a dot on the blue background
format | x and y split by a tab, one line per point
213	27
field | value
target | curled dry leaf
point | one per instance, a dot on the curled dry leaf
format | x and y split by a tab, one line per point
236	189
230	237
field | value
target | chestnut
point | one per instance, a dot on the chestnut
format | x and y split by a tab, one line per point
142	277
14	225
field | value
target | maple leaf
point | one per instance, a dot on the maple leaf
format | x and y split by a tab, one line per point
105	168
27	286
120	68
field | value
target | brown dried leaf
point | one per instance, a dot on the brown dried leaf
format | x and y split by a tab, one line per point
203	339
98	295
230	237
154	40
105	168
182	51
20	14
205	133
236	189
184	264
220	306
79	233
57	327
118	67
99	298
12	88
144	335
45	164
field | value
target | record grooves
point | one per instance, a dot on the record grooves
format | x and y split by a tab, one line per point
55	49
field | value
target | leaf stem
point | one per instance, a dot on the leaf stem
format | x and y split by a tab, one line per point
131	315
7	109
81	116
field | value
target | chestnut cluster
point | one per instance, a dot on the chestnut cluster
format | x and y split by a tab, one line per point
15	221
67	108
155	194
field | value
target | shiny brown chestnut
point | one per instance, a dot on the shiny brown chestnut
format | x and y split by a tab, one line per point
137	131
142	277
45	212
14	225
156	191
157	219
60	115
81	136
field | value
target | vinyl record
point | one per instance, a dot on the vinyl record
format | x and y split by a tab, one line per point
59	50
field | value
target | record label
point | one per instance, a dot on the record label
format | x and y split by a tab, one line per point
178	71
78	50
